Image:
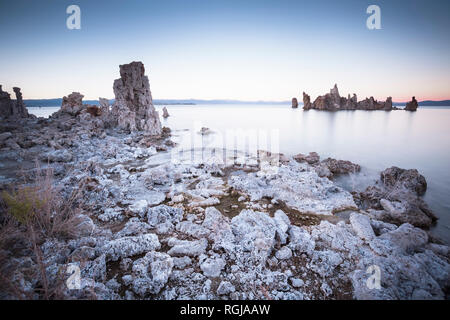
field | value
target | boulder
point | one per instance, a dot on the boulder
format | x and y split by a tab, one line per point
72	104
341	166
398	193
294	103
398	178
151	273
130	246
212	267
165	113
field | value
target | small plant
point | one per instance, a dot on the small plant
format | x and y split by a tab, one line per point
30	214
23	205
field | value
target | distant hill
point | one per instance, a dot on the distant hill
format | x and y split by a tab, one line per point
426	103
57	102
430	103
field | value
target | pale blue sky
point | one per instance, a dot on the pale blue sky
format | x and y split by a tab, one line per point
228	49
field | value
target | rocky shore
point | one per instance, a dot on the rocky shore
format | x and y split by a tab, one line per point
332	101
149	227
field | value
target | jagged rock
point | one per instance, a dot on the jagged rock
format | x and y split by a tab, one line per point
395	177
182	262
72	104
294	103
361	225
104	105
151	273
255	231
388	104
212	267
306	102
130	246
164	218
10	108
5	136
341	166
311	158
219	229
133	106
187	248
406	237
165	113
412	105
62	155
284	253
225	288
351	103
398	195
333	101
300	240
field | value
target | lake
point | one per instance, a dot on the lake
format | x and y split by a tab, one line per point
374	139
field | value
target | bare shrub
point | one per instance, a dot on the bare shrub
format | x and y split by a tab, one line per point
30	214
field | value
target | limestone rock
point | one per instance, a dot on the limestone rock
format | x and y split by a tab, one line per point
388	104
294	103
306	102
10	108
165	113
395	177
72	104
398	193
412	105
284	253
341	166
332	101
130	246
212	267
187	248
151	273
133	106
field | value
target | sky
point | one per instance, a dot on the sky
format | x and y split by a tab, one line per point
228	49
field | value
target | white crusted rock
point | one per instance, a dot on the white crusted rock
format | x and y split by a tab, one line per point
151	273
361	225
212	267
130	246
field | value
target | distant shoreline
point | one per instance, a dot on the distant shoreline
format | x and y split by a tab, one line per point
57	102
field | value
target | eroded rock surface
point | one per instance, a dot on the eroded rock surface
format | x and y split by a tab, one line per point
151	228
412	105
333	102
12	108
133	106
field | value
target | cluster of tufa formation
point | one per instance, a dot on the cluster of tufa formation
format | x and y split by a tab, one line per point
333	102
131	111
10	108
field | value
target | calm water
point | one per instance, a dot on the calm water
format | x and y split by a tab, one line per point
376	140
